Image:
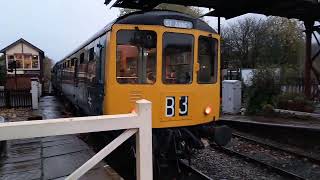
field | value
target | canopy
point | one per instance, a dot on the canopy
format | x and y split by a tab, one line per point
299	9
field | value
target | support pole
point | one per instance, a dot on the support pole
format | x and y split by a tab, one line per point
308	59
219	25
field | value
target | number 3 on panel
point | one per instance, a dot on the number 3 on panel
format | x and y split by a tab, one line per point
183	111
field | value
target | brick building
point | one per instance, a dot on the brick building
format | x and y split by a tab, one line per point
28	60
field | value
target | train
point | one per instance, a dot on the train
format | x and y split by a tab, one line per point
166	57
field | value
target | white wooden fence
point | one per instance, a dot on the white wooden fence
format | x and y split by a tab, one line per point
139	123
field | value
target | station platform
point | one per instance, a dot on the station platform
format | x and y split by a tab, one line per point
50	157
310	124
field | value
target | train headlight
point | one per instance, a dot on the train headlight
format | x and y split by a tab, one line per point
177	23
207	110
133	110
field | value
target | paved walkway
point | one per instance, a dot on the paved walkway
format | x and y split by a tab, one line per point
50	157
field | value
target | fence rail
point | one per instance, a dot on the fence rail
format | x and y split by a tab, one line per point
15	98
139	123
299	89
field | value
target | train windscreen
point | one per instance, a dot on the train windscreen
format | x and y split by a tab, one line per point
177	59
136	56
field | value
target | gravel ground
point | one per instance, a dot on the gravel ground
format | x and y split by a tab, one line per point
278	158
218	165
300	150
16	114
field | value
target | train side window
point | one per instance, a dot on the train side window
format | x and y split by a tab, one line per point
207	59
136	57
91	54
177	58
81	58
72	61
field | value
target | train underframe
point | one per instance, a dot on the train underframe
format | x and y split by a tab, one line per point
169	146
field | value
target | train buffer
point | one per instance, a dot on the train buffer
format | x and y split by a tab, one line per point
63	156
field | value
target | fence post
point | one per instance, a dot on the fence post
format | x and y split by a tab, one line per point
144	141
34	93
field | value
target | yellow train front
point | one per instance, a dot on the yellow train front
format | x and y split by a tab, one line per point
172	61
168	58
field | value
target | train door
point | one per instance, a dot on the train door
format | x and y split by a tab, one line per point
76	80
100	73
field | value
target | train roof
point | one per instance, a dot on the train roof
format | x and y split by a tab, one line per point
154	17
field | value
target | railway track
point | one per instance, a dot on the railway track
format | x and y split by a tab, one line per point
190	173
278	147
256	161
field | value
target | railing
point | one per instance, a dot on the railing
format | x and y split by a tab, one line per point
15	98
139	123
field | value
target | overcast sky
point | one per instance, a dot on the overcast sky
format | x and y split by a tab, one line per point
57	26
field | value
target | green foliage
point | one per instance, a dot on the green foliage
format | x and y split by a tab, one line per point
270	41
47	65
263	90
295	102
192	11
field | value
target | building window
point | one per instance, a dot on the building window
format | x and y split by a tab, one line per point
35	62
27	61
19	61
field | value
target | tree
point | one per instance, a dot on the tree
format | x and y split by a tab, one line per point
47	65
273	41
192	11
242	42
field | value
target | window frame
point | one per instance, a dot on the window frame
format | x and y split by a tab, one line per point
215	58
192	58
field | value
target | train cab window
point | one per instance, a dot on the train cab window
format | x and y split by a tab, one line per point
91	54
81	58
136	57
177	58
207	59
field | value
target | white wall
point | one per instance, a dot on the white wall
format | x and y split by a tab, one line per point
18	49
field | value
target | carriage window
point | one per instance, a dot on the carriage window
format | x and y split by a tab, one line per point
81	58
177	59
72	61
136	56
91	54
207	59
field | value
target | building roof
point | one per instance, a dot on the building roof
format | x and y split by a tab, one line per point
21	40
299	9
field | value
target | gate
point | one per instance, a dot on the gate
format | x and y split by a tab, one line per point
139	123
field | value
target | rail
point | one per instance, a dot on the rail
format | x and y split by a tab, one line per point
139	123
